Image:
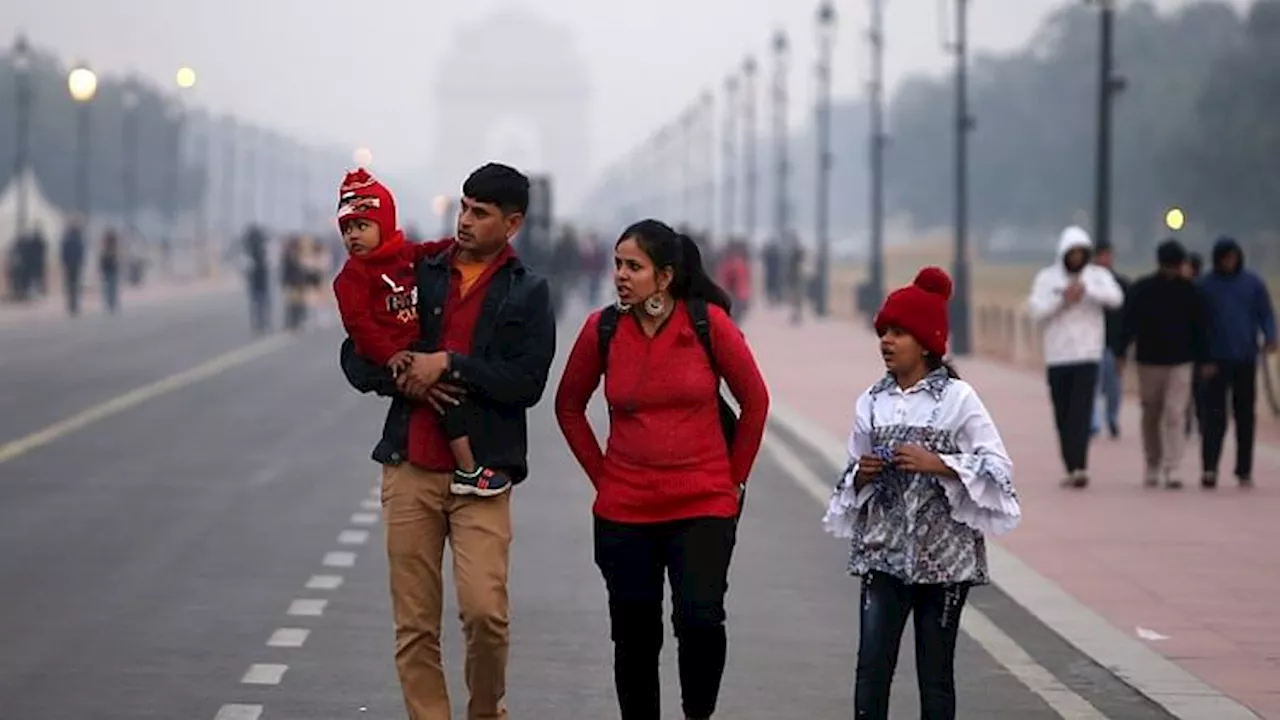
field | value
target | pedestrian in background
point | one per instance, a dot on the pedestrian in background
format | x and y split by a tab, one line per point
928	478
669	481
1069	299
1110	377
1240	313
1164	318
110	260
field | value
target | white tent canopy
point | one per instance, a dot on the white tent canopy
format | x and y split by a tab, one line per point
40	212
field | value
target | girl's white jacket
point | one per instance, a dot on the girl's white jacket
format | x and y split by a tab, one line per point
1073	333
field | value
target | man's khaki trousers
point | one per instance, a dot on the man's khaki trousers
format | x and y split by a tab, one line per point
420	514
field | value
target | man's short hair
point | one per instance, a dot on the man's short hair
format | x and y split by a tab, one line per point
1171	253
501	185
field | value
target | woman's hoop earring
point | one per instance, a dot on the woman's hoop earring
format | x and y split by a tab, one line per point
654	305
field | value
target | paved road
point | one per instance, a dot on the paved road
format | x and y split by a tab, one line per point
146	559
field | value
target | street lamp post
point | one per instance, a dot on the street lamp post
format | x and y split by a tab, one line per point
749	146
875	290
129	143
174	116
826	33
708	131
728	159
687	125
1108	86
230	166
22	102
780	168
960	300
83	85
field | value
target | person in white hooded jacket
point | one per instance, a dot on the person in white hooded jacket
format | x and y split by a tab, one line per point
1068	299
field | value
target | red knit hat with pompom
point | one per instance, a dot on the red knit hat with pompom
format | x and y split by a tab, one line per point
920	309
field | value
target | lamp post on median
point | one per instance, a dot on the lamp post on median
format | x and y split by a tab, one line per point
22	126
826	36
749	147
129	145
960	299
875	37
1108	86
82	83
728	159
781	196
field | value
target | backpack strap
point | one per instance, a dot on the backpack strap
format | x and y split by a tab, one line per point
702	326
604	332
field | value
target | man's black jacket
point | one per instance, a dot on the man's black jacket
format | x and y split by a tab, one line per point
505	374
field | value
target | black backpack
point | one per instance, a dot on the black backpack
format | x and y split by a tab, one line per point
702	326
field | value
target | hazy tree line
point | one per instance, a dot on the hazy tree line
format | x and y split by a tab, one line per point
1194	126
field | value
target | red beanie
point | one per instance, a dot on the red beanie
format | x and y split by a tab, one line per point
920	309
363	197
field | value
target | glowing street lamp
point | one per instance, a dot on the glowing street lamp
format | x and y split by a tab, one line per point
82	83
363	157
186	78
1175	219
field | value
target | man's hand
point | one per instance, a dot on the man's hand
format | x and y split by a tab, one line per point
1121	364
1073	293
1208	370
441	396
1270	347
914	458
422	371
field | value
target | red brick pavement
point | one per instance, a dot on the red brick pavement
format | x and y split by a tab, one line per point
1198	568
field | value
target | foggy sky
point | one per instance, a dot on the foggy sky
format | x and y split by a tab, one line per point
361	73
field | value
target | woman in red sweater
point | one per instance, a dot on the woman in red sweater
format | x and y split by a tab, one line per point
669	481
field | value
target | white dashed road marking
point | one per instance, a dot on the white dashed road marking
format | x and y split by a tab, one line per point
133	398
264	674
288	637
370	504
364	518
324	582
340	559
239	712
308	608
353	537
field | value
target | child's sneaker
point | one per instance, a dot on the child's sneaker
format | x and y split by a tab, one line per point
483	482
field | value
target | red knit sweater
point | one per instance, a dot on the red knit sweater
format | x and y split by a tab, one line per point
378	297
666	458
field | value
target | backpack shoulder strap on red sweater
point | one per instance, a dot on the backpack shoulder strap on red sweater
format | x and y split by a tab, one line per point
604	332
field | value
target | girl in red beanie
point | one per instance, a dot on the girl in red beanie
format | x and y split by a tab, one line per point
928	478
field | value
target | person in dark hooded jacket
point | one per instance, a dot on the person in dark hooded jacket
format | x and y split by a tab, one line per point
1239	310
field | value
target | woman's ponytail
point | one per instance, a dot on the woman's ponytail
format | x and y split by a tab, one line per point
668	248
699	285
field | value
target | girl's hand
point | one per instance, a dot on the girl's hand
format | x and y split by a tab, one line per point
869	466
913	458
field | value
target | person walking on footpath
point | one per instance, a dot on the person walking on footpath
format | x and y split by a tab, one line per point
1239	312
72	252
1192	270
1069	299
670	481
1110	377
1164	318
928	478
486	331
110	263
